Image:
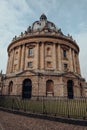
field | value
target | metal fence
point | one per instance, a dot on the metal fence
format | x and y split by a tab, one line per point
54	106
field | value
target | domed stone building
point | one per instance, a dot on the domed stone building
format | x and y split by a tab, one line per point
43	61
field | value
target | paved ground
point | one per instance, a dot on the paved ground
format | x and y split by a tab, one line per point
10	121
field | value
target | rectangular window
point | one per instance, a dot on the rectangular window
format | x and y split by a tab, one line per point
16	55
64	54
65	67
48	51
49	64
29	64
30	52
15	67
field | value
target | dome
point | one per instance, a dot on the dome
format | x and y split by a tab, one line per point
43	23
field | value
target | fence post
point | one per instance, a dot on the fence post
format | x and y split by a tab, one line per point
43	105
44	108
85	110
68	108
12	103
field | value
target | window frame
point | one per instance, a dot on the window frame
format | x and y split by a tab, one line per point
48	51
64	53
30	64
30	51
10	87
50	65
65	66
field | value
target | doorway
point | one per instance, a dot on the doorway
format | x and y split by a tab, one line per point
49	87
70	89
27	89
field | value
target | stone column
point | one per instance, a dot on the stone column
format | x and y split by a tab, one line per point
70	60
43	56
19	58
7	71
59	58
9	64
78	64
22	57
12	64
74	64
25	57
37	57
54	55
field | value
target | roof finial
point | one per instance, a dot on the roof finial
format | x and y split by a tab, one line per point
43	17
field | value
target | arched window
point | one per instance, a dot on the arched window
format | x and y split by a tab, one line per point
49	87
48	51
10	87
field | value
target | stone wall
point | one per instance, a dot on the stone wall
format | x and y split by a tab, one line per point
39	85
18	56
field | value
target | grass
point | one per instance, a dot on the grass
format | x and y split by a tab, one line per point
76	108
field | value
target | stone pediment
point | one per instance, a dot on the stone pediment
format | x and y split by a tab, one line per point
26	72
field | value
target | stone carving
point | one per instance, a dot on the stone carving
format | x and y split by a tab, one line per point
22	34
14	38
29	29
59	31
70	37
26	32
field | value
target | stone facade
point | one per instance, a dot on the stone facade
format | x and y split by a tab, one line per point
42	61
0	83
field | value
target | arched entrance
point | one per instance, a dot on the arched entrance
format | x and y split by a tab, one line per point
27	88
10	87
70	89
49	87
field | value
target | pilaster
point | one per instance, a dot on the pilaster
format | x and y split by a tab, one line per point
74	64
70	60
19	58
43	56
12	64
37	57
59	58
54	56
22	57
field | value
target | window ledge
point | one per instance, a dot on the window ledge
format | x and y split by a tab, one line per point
30	56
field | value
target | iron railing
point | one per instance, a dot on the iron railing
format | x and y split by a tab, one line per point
54	106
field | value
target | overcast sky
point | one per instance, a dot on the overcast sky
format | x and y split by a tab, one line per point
69	15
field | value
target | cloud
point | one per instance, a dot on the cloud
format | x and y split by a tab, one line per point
3	59
81	39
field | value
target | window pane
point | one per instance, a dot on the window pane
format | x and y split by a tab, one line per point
49	64
65	67
30	53
29	64
64	54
